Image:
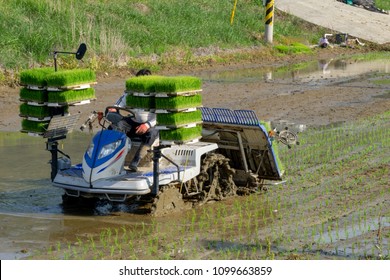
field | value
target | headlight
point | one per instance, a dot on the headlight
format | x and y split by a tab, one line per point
109	149
90	150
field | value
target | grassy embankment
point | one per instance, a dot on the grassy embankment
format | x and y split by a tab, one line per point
148	33
383	4
332	206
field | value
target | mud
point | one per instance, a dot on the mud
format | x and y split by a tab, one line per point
332	91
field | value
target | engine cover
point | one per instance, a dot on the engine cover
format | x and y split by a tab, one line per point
105	156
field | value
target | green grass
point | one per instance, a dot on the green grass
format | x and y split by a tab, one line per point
181	134
178	102
69	96
35	76
179	118
383	4
153	83
136	32
381	82
33	95
294	48
71	77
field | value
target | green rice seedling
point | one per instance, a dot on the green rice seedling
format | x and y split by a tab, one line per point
178	102
142	102
39	112
69	96
179	118
33	95
293	48
179	84
36	76
181	134
145	84
74	77
32	126
154	83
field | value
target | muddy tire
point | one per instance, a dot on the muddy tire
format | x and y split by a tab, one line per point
215	180
168	200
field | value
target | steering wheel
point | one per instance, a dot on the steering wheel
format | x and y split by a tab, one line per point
119	110
114	114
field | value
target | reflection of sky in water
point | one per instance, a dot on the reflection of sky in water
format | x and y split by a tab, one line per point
25	185
25	159
323	68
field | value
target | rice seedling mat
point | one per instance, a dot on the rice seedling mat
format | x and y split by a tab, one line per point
34	113
178	102
71	97
35	77
140	101
35	127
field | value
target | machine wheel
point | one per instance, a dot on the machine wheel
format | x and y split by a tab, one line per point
215	180
169	199
288	138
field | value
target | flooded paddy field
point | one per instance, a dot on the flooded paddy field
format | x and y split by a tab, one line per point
333	205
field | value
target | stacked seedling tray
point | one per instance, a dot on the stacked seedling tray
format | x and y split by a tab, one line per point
175	100
70	87
46	93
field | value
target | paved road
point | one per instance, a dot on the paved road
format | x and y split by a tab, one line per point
357	22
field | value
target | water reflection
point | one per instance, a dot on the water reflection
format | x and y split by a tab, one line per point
300	72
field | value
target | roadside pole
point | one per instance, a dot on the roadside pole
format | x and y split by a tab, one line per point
269	17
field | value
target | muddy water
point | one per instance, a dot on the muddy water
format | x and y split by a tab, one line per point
31	214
